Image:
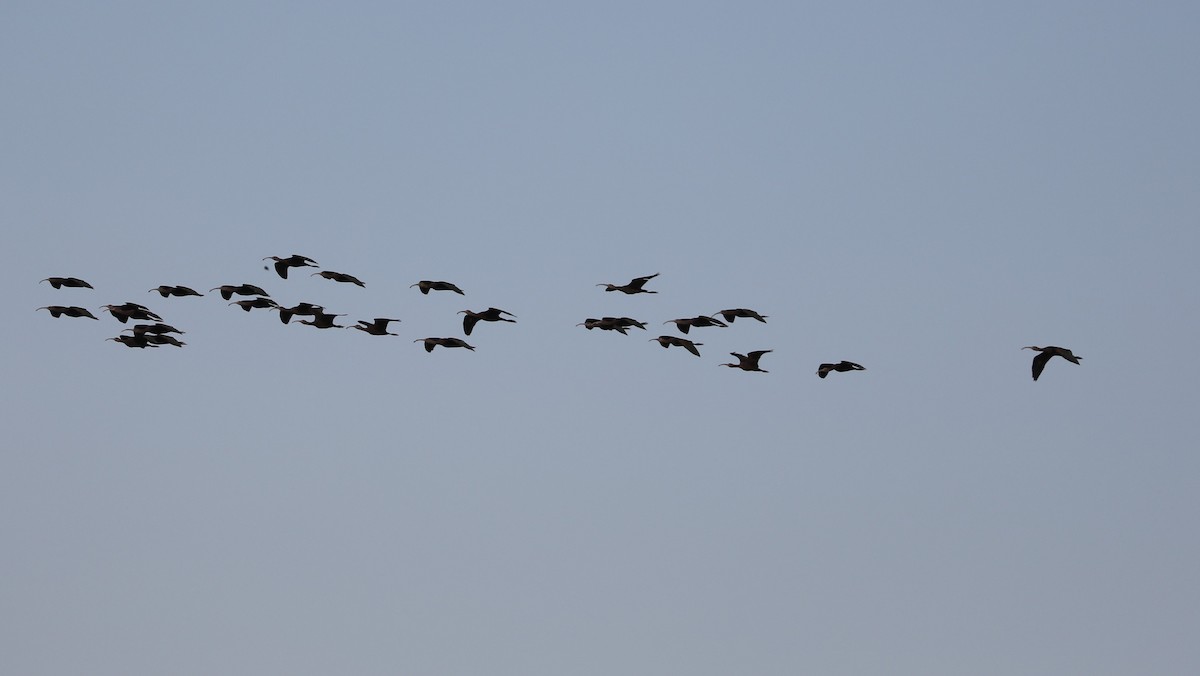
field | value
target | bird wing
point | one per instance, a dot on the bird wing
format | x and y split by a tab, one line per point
691	347
281	267
1039	363
469	322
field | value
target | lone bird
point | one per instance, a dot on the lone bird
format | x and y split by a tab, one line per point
340	277
684	325
293	261
303	309
68	310
748	362
142	341
1039	362
259	302
668	341
375	328
634	286
431	343
59	282
491	314
426	285
228	290
322	320
166	290
733	314
824	369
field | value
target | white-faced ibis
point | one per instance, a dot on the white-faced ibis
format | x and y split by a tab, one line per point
634	286
69	311
323	320
74	282
668	341
431	343
166	290
127	311
491	314
1039	362
163	339
377	327
605	324
748	362
139	329
301	309
142	341
260	302
733	314
703	320
842	366
227	290
340	277
426	286
293	261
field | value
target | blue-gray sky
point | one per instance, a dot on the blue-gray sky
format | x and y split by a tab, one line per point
921	188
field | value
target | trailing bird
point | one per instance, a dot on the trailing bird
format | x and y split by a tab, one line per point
127	311
322	320
166	290
293	261
748	362
668	341
431	343
259	302
1039	362
491	314
228	290
427	285
375	328
824	369
634	286
339	277
142	341
68	310
733	314
703	320
302	309
59	282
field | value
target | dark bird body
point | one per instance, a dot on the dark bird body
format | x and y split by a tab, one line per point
431	343
733	314
824	369
1039	362
259	302
620	324
684	325
426	286
634	286
166	290
69	311
300	309
158	328
322	320
748	362
668	341
377	327
228	290
491	314
163	339
293	261
123	313
142	341
339	277
74	282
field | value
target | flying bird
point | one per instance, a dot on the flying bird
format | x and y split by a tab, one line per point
293	261
159	328
733	314
634	286
69	311
127	311
668	341
1039	362
302	309
228	290
431	343
142	341
59	282
426	286
259	302
340	277
491	314
166	290
322	320
377	327
684	325
824	369
163	339
748	362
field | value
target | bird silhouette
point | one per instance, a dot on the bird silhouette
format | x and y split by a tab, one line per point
491	314
166	290
431	343
59	282
1046	353
733	314
339	277
634	286
323	320
668	341
375	328
824	369
228	290
69	311
163	339
302	309
139	329
123	313
142	341
748	362
293	261
426	286
259	302
684	325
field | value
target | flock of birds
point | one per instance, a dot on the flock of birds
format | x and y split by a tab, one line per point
154	333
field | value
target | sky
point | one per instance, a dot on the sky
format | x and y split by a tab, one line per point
922	188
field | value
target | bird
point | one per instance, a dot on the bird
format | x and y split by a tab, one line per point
339	277
142	341
68	310
748	362
228	290
1039	362
491	314
427	285
127	311
431	343
323	320
166	290
375	328
163	339
259	302
824	369
304	309
634	286
733	314
668	341
159	328
684	325
74	282
605	324
293	261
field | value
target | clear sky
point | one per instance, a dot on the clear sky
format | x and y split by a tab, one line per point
923	188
